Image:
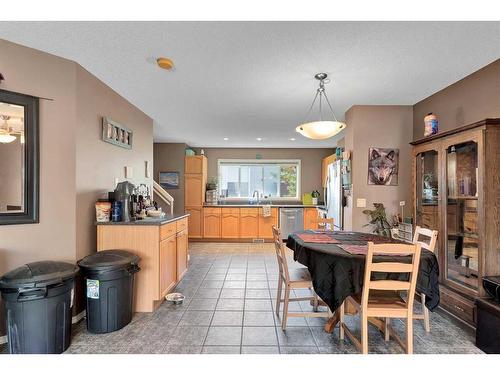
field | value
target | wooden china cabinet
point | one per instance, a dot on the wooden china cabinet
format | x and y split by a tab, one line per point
456	191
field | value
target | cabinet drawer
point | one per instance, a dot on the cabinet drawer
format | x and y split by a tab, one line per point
182	224
249	211
212	210
234	211
167	230
459	306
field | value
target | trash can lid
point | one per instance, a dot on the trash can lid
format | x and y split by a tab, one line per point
38	274
108	260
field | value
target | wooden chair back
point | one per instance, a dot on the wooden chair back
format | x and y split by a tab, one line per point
432	236
391	267
324	223
280	254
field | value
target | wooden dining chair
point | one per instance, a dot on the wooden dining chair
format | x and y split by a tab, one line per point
381	298
324	223
292	279
428	243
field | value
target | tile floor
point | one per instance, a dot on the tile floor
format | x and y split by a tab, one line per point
229	309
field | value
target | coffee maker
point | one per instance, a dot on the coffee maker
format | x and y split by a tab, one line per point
123	193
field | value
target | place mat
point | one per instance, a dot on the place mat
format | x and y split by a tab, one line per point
317	238
362	250
355	249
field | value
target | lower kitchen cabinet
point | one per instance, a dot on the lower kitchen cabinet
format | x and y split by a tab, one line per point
230	227
195	221
266	223
212	222
168	264
182	253
163	253
310	218
249	223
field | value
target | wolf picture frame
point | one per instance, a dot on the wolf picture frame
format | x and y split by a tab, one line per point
383	166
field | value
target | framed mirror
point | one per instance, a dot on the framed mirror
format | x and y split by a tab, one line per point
19	158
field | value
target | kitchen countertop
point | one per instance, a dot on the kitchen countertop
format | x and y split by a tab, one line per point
284	205
149	221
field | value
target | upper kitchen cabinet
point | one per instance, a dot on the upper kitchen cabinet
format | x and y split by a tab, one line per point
195	164
456	189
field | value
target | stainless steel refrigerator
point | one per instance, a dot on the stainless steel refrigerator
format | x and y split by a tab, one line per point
333	194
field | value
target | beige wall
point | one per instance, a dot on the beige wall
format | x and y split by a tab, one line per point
69	129
377	126
169	157
11	174
471	99
310	161
99	163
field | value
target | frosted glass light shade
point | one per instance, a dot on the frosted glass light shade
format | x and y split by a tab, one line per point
320	129
7	138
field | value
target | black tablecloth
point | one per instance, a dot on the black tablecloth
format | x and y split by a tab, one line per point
337	274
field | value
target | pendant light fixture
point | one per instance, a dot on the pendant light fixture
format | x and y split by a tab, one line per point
5	136
322	128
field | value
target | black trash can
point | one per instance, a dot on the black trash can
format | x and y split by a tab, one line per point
38	299
109	286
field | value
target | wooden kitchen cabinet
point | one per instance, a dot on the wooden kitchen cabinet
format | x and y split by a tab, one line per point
266	223
195	221
310	218
230	227
168	264
196	164
194	190
212	222
163	253
182	253
249	223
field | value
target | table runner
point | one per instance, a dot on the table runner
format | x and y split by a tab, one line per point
317	238
337	274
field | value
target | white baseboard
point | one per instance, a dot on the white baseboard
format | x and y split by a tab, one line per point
75	319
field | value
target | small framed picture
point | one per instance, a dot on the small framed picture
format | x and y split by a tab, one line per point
169	180
116	134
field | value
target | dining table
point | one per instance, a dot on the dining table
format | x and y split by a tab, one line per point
336	261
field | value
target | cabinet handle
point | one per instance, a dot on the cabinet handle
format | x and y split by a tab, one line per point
459	308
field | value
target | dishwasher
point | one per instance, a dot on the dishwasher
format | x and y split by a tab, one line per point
291	220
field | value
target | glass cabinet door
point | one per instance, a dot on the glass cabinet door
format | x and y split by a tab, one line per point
462	239
427	189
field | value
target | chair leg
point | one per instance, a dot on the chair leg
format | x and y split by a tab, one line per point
364	334
409	335
427	324
278	297
387	335
316	302
285	307
341	321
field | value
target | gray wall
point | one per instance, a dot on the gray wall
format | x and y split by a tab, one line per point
169	157
377	126
471	99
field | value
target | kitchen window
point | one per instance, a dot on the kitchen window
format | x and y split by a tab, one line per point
273	179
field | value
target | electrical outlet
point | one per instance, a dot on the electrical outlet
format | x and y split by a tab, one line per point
402	203
129	172
361	202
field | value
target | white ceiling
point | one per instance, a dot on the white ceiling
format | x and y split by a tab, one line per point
244	80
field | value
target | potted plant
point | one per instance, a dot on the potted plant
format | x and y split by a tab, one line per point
315	196
378	218
212	183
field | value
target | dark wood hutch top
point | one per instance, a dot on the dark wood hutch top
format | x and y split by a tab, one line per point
488	121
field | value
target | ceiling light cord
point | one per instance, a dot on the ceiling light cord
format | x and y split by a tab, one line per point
321	92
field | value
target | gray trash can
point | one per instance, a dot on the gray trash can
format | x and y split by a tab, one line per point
38	299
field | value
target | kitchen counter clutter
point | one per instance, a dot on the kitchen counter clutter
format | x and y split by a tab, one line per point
148	221
162	246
